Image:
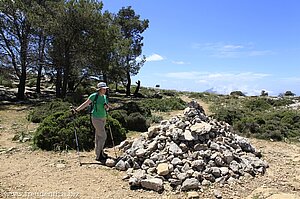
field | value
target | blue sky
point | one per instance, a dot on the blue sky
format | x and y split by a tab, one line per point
223	45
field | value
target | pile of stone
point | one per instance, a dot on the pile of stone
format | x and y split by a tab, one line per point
188	151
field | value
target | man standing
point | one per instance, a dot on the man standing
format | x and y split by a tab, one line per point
100	106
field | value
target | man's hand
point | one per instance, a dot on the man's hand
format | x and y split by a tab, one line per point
106	106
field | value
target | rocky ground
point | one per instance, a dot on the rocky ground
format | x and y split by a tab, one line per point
28	173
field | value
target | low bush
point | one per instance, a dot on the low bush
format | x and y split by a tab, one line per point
164	105
40	112
133	107
229	114
258	104
137	122
155	119
114	128
260	117
57	131
121	116
237	93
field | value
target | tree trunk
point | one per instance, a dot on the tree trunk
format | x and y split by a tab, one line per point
58	83
128	83
23	57
81	79
66	72
116	86
104	77
42	40
22	82
137	87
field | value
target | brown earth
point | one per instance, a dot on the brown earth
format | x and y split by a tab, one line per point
28	173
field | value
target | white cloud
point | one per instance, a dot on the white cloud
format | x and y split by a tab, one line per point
154	57
180	62
224	50
232	47
245	76
184	75
224	83
291	79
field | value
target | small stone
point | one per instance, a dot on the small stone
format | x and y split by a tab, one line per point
155	184
60	166
121	165
163	169
190	183
192	195
217	194
110	162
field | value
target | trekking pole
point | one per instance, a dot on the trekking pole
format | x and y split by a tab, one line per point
112	137
75	133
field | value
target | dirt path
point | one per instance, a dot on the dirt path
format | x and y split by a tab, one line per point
27	173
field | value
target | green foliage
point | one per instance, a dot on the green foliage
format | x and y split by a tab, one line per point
120	115
261	117
289	93
31	83
57	131
264	93
237	93
41	111
137	122
164	105
170	93
74	98
155	119
5	78
229	114
118	132
258	104
133	107
261	103
205	96
147	91
130	44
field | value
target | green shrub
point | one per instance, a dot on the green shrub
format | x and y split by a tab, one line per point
7	83
41	111
32	82
118	132
258	104
170	93
155	119
289	93
121	116
237	93
133	107
147	91
137	122
276	124
229	114
247	125
164	105
280	102
6	78
57	132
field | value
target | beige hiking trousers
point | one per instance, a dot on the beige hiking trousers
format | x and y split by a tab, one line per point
100	134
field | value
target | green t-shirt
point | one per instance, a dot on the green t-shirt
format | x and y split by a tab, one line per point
98	109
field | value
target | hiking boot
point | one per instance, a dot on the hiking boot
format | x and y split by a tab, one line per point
101	159
104	155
